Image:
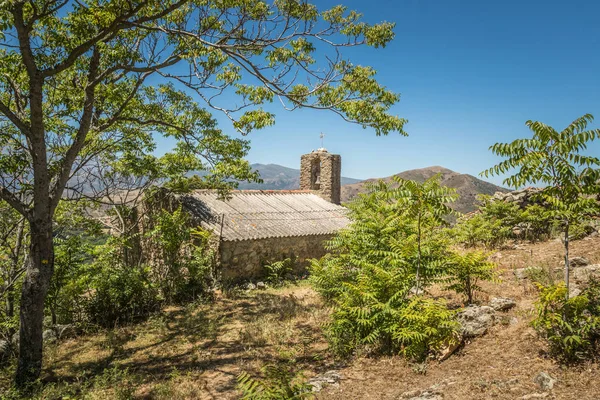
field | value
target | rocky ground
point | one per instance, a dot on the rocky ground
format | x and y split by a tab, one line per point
507	362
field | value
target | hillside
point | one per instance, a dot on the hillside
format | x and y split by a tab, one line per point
278	177
197	351
467	186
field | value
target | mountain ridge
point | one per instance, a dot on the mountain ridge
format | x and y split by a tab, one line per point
466	185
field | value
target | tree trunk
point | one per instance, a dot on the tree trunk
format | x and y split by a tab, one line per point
418	278
567	258
35	287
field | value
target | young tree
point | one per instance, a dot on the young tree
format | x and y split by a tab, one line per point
427	204
554	159
88	80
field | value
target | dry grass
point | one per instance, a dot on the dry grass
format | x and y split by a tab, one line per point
499	365
196	352
193	352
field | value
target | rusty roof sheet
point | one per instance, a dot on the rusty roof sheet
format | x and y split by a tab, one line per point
254	214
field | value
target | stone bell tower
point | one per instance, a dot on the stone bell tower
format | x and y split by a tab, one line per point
320	172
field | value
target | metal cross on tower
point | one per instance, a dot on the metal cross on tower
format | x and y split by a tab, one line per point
322	136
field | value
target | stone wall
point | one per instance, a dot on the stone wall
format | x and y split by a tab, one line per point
329	168
243	259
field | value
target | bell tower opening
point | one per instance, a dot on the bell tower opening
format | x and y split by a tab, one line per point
315	177
320	172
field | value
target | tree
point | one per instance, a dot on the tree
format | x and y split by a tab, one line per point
379	265
555	160
426	204
87	82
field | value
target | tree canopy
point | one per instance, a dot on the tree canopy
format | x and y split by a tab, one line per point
88	86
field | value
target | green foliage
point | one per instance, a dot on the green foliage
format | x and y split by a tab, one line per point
120	293
277	271
571	326
479	230
394	247
465	270
88	89
571	179
278	384
184	267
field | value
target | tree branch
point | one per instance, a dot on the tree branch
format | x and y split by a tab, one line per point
20	124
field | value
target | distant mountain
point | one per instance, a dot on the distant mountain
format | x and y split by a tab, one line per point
467	186
277	177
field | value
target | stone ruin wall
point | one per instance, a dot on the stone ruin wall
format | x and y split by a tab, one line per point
330	175
243	259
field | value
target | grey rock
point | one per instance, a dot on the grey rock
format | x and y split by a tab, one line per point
250	286
476	320
15	340
65	331
521	273
329	378
534	396
49	336
583	274
261	285
578	262
4	350
544	381
574	291
502	303
426	395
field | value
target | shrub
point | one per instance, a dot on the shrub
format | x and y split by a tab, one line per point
184	269
392	251
278	270
278	384
466	270
378	312
328	274
479	230
119	293
571	326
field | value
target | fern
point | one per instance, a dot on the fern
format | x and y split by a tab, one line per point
278	384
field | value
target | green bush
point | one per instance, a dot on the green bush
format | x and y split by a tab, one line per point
184	270
119	293
479	230
328	274
379	267
278	384
379	312
571	326
466	270
277	271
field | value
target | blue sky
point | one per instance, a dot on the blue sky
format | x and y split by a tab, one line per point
470	73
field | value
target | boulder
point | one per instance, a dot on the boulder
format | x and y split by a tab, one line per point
65	331
574	291
544	381
578	262
583	274
502	303
319	382
521	273
261	285
49	336
475	320
4	350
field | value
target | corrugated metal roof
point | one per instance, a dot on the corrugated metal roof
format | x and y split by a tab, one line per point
252	214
